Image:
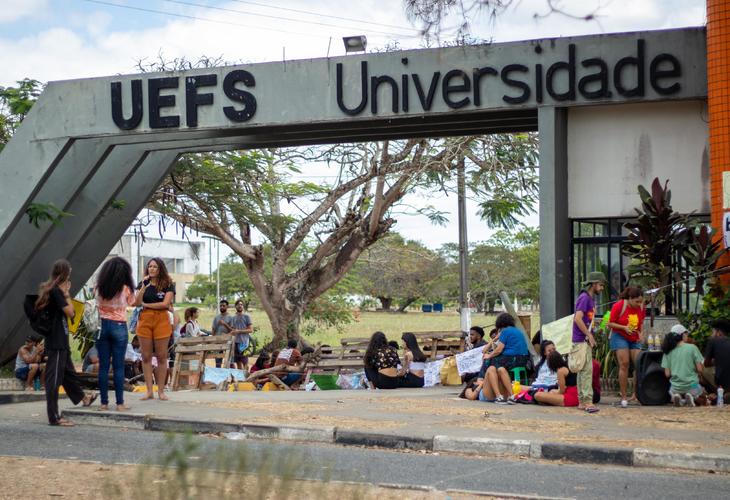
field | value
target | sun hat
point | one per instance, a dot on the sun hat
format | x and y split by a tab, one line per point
595	277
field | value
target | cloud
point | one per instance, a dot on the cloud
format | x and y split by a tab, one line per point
17	9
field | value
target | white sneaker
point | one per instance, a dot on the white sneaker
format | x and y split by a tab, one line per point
624	403
676	400
690	400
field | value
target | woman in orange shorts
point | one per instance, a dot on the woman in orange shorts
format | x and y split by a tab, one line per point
155	294
566	394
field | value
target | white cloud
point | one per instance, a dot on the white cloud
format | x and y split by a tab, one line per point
13	10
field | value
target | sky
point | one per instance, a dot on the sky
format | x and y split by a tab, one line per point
63	39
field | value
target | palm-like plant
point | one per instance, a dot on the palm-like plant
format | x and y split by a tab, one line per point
655	237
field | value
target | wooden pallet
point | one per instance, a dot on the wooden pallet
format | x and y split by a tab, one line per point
191	353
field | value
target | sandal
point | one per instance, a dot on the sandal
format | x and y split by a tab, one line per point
591	409
123	407
89	399
62	422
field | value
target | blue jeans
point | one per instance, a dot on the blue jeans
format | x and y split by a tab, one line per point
112	346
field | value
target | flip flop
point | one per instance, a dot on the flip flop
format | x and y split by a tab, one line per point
592	409
91	399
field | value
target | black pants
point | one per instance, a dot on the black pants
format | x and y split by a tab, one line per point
412	381
381	381
60	371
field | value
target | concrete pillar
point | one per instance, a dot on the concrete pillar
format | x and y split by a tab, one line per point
555	265
718	103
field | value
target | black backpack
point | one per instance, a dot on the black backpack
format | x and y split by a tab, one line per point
40	321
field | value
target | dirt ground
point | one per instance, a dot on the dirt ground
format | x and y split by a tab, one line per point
24	478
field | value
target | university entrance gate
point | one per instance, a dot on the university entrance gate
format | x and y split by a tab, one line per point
612	111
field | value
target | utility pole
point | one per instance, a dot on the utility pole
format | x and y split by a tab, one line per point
464	310
218	270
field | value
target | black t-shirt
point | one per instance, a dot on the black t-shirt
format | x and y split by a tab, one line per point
152	294
718	349
58	337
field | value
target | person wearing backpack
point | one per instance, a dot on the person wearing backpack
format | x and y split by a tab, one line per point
55	300
626	321
114	293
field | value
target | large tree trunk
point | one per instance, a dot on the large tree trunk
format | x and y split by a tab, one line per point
386	303
406	303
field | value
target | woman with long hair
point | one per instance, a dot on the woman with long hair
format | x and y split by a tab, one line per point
114	293
155	294
567	392
381	363
414	362
683	365
626	321
54	296
192	327
546	378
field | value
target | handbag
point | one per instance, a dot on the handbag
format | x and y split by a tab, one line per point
578	357
449	372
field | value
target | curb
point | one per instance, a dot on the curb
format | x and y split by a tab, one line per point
22	397
394	442
484	447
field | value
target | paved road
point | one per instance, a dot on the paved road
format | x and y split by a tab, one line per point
442	472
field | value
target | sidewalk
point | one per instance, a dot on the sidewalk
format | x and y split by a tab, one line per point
434	419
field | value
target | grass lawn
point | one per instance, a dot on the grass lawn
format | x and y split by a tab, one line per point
392	324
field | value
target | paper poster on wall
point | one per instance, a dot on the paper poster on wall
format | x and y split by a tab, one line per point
726	229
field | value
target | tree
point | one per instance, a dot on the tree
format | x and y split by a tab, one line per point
234	283
15	103
316	231
398	270
433	15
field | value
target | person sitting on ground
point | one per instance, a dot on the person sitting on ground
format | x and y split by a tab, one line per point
133	359
717	355
472	389
567	392
510	352
682	363
91	361
414	362
546	379
28	363
263	361
192	327
381	362
289	357
476	339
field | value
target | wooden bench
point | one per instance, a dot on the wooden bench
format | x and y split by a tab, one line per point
197	350
437	344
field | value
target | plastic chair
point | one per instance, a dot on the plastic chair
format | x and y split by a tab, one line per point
519	373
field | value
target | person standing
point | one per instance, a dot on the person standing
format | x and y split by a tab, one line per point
221	326
242	329
155	295
114	293
54	296
583	340
626	321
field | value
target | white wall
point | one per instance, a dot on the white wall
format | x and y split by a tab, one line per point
612	149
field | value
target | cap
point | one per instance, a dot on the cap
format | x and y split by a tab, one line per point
595	277
678	329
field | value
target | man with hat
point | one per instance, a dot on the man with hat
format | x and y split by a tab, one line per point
583	341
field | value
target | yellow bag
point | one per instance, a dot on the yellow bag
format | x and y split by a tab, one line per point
449	372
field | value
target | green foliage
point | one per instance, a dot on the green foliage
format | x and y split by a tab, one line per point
715	305
654	238
398	270
234	282
40	212
15	103
702	254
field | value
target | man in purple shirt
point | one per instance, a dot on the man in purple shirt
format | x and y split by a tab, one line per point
585	309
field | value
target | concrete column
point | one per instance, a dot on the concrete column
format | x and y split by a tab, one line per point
555	265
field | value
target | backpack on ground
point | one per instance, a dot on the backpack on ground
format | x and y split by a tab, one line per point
40	321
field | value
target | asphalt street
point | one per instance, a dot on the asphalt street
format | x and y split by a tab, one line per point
441	471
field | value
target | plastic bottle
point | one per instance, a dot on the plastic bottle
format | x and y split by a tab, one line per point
650	342
658	341
516	387
37	384
720	397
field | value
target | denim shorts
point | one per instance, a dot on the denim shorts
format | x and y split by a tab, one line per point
482	397
22	373
696	390
618	341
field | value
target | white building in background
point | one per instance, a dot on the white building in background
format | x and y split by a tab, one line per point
184	258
